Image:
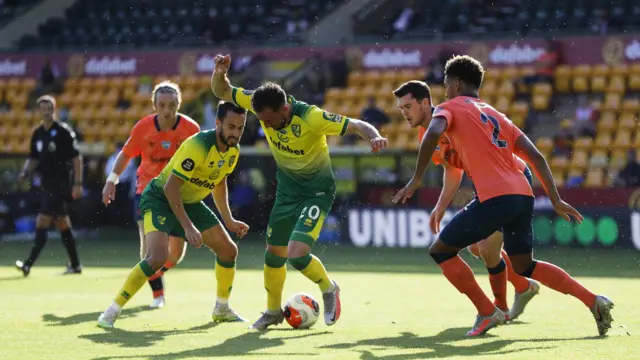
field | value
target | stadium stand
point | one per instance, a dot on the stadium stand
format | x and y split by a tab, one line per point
420	20
133	23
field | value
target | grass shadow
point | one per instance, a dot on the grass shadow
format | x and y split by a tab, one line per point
54	320
441	345
251	343
139	339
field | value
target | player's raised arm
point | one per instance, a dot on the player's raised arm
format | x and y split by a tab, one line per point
221	198
220	84
527	151
367	132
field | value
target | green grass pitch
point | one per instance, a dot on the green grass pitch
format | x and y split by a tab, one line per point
396	305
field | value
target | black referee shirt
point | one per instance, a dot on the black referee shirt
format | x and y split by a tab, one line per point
54	149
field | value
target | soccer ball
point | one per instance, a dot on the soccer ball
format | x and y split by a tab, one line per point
301	311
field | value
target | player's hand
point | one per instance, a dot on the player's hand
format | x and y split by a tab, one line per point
567	211
222	63
379	143
435	218
407	192
76	192
193	235
238	227
108	193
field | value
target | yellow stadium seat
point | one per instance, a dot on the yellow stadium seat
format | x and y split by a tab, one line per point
389	76
509	73
502	104
583	143
13	84
72	84
373	77
526	71
350	95
128	93
437	94
131	82
611	176
607	121
111	97
580	80
601	70
617	84
628	121
618	159
28	84
100	84
542	89
579	160
595	178
632	104
599	158
506	89
544	144
406	75
116	82
540	102
191	81
85	84
355	79
612	101
620	69
603	140
598	83
623	140
492	74
563	78
558	176
518	113
636	141
559	163
333	94
189	95
634	82
489	88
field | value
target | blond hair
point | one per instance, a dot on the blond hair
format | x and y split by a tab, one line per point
166	87
46	98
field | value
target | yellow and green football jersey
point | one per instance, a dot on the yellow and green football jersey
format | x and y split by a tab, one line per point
300	149
200	164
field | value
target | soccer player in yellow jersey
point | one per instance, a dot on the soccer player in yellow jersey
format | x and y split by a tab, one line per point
171	204
296	133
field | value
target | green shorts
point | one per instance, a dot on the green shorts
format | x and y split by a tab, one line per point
158	216
298	219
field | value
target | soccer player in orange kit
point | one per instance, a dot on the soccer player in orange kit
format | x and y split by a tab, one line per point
155	138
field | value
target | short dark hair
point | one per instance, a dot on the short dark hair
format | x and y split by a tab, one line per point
46	98
418	89
268	96
224	108
465	68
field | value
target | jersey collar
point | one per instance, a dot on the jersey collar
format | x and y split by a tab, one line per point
157	123
471	95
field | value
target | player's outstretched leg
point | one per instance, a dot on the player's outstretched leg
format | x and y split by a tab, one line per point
218	240
177	248
275	273
461	276
559	280
489	251
157	252
525	289
311	267
43	222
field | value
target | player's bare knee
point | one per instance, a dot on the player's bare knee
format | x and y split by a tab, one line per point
297	249
228	252
473	249
489	253
280	251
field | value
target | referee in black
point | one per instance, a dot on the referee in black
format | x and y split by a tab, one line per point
55	156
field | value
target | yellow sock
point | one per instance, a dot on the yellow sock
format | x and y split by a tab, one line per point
136	279
274	278
225	273
311	267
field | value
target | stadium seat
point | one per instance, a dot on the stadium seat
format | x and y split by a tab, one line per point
617	85
580	82
628	121
618	159
506	89
559	163
502	104
632	104
488	89
607	121
612	101
595	178
579	160
603	140
634	82
518	113
620	69
598	158
545	145
584	143
509	74
563	78
492	75
558	176
540	102
623	140
355	79
437	94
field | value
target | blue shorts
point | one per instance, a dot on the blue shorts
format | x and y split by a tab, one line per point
137	215
511	214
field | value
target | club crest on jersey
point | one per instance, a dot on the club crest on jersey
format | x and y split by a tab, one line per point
296	130
53	132
332	117
214	175
232	160
220	163
283	136
166	144
247	92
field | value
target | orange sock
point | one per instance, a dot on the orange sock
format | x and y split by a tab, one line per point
558	280
520	283
461	276
498	280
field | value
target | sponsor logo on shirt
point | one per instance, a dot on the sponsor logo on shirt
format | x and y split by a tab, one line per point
203	183
286	148
188	164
